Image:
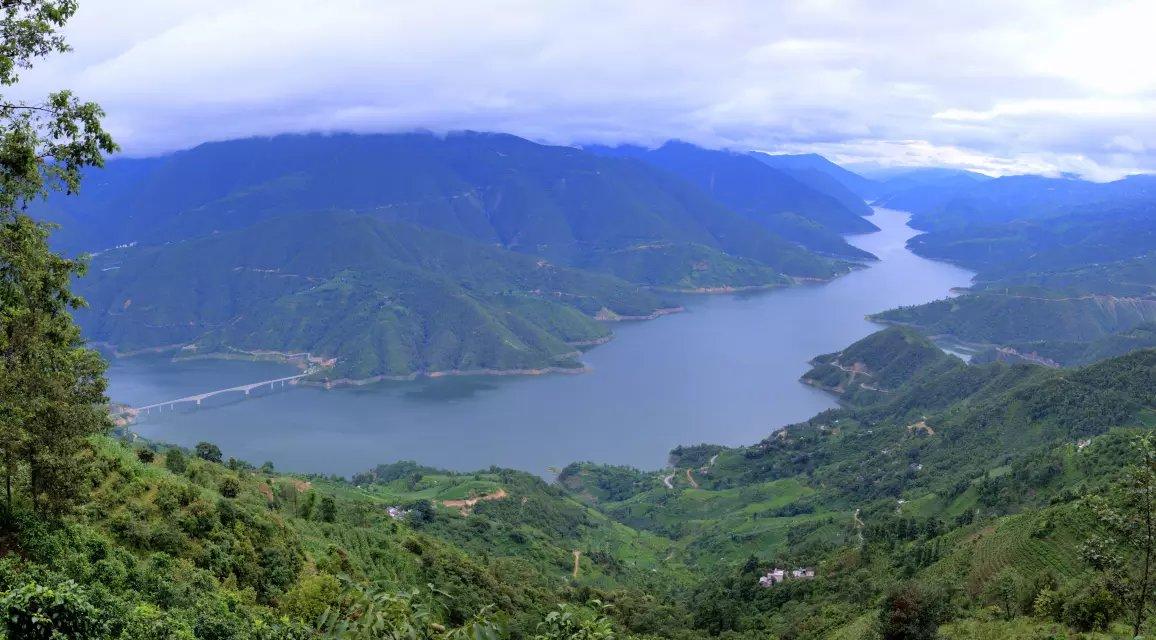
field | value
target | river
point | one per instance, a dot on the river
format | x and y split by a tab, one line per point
725	371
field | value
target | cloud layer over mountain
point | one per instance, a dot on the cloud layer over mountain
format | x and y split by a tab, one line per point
1044	87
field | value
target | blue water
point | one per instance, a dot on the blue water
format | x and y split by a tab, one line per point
725	371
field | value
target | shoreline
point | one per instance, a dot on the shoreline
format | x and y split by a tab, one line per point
445	373
303	360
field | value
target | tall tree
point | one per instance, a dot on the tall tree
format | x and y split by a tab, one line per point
50	384
1126	551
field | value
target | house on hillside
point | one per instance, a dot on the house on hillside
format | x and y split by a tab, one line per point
772	578
776	575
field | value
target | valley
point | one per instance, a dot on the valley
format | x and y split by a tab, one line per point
725	370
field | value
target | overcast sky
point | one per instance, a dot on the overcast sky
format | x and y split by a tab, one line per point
1001	87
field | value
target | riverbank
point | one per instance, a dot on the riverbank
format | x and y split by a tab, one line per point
724	371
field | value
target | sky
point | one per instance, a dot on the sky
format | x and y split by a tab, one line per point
998	87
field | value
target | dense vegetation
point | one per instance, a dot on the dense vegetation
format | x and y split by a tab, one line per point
943	500
961	493
804	206
382	298
408	254
559	203
1070	288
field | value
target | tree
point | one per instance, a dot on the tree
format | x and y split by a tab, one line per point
175	460
209	451
50	385
230	486
912	612
327	510
1126	548
1005	590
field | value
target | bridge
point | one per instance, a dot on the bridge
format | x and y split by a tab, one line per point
198	398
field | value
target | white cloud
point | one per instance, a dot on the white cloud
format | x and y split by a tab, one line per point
999	87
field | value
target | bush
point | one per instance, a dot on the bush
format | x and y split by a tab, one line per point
311	597
209	452
1091	608
912	612
35	612
175	461
230	487
146	455
1049	605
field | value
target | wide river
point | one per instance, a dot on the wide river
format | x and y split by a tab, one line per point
726	371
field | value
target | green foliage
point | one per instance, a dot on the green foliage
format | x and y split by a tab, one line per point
1090	607
38	612
311	597
50	385
209	452
1005	590
229	487
1125	549
912	612
396	300
568	622
374	615
175	460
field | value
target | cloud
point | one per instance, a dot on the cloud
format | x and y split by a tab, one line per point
1001	87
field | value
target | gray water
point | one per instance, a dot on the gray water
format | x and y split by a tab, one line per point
726	371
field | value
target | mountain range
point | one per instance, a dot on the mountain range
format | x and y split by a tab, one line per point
341	245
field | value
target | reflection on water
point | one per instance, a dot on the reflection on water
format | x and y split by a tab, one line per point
726	371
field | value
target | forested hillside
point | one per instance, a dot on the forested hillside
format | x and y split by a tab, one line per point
805	207
1066	289
400	255
939	206
966	490
970	486
561	203
382	298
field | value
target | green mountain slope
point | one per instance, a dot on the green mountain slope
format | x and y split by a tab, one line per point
820	173
956	474
812	213
382	298
557	202
1050	288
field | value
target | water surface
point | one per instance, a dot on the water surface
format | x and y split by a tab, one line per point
725	371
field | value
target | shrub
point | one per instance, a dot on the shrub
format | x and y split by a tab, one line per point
209	452
912	612
34	611
230	487
311	597
1091	608
175	461
146	455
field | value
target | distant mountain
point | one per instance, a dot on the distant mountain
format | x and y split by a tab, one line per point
822	174
384	298
1088	236
960	201
560	203
777	200
1064	287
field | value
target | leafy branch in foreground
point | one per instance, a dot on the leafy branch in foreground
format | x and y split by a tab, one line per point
410	615
1127	549
50	384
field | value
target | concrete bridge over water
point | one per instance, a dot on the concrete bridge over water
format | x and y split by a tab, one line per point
199	397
